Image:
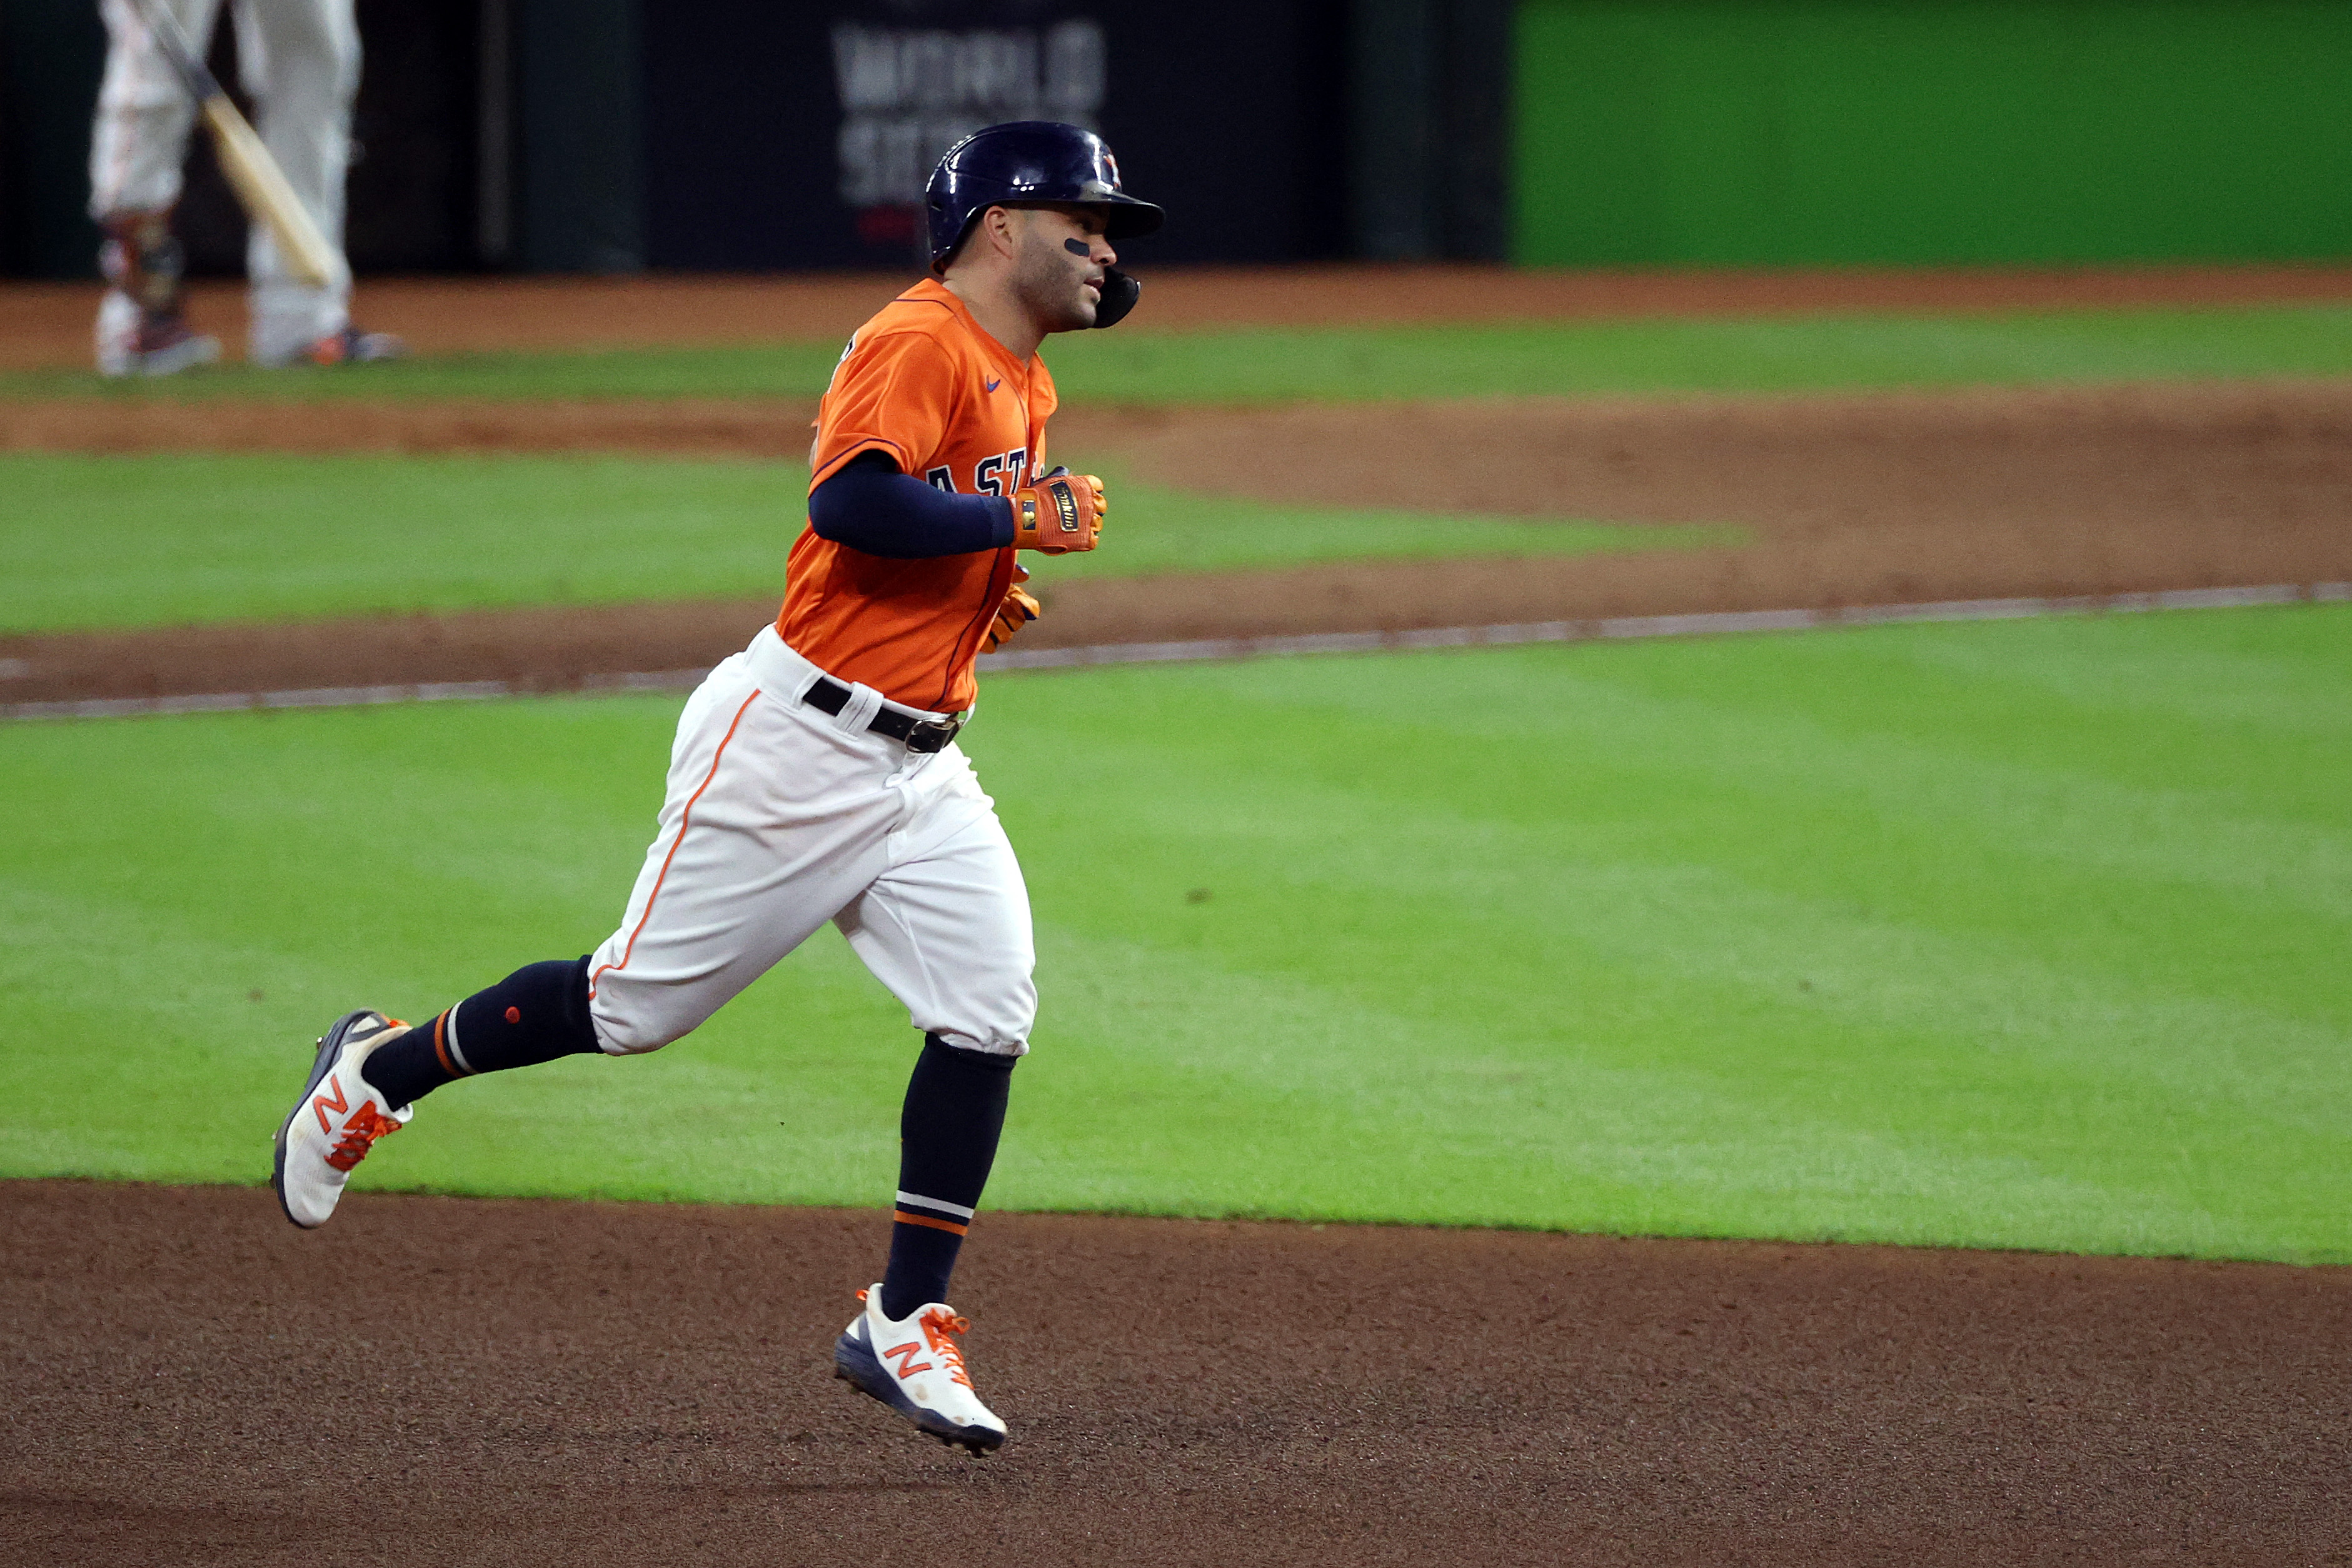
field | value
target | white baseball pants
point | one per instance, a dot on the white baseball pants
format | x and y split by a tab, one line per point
301	61
780	817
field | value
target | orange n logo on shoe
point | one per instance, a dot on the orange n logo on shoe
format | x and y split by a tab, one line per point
321	1105
908	1365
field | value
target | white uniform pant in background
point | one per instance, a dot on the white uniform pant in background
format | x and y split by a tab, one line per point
780	817
299	60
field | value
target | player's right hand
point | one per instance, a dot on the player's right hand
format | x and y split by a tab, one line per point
1018	609
1061	513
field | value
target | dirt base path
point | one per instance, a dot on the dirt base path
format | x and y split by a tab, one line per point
47	325
1849	500
190	1381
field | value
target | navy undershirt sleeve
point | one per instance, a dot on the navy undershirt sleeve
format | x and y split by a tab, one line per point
870	506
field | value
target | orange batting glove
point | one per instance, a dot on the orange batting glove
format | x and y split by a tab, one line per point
1017	611
1060	514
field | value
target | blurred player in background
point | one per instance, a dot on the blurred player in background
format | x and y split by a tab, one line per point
300	60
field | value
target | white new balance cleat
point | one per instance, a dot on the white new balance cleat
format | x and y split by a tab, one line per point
916	1367
338	1117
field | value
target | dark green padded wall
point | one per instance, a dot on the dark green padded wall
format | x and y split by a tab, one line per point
1846	131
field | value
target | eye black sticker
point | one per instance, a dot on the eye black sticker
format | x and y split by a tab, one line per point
1077	247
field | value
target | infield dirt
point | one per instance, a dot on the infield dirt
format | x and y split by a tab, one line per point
190	1381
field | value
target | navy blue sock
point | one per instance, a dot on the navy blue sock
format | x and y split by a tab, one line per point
535	1014
947	1142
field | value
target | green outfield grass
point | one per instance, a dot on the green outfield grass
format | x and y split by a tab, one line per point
136	541
2021	934
1777	353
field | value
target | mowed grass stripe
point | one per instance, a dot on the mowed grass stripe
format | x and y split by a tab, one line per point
99	541
1902	934
1750	356
123	541
1776	353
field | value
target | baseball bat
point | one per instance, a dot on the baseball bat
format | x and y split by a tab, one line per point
260	184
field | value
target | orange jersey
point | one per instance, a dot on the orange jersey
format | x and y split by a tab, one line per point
923	384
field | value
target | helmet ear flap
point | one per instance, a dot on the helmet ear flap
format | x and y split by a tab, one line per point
1120	293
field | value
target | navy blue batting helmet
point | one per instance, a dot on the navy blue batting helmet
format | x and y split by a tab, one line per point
1028	161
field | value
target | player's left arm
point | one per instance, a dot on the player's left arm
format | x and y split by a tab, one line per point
869	506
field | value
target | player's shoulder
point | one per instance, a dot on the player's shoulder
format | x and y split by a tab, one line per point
923	311
916	334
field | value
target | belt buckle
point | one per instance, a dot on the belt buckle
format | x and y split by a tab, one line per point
932	735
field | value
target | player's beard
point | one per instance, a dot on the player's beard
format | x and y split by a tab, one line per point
1050	288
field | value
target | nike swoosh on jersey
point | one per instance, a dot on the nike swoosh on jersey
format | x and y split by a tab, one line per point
994	384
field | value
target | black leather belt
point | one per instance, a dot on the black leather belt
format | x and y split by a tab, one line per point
920	734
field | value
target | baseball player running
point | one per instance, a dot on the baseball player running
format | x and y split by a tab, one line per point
815	774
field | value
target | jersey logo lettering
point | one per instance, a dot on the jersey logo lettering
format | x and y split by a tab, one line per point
908	1365
1000	475
994	384
940	479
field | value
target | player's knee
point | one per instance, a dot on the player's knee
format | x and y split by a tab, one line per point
996	1045
993	1019
632	1037
161	97
629	1022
